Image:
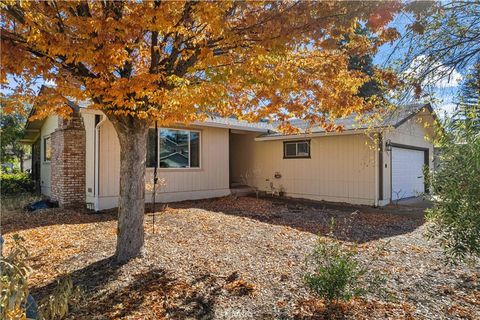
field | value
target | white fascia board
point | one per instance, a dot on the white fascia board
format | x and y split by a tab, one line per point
91	111
229	126
310	135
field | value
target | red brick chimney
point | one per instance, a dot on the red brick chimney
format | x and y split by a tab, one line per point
68	162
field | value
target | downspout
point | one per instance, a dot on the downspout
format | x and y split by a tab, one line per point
376	173
97	162
380	169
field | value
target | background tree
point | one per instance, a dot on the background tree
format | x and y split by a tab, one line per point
441	39
11	131
180	61
364	63
469	98
456	202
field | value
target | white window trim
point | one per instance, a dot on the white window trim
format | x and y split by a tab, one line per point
189	153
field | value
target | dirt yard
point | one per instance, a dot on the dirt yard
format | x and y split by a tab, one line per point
242	259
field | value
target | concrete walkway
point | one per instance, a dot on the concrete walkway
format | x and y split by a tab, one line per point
415	202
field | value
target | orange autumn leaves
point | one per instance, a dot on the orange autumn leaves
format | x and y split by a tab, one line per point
181	61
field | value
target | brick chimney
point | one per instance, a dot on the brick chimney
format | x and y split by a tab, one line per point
68	162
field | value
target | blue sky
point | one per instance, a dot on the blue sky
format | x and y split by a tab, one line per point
445	91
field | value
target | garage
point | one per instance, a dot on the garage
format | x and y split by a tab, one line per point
407	172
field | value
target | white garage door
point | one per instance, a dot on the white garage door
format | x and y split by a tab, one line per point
407	173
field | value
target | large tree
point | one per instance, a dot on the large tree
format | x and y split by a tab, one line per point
180	61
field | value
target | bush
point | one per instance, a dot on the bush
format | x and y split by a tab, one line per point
13	282
15	301
336	274
456	189
16	183
58	304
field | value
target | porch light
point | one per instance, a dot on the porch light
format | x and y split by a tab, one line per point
388	145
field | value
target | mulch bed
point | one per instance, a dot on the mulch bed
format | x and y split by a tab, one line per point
242	258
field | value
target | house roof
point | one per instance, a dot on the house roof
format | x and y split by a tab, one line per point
232	123
267	130
350	124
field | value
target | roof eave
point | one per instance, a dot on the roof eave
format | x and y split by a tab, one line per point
313	135
230	126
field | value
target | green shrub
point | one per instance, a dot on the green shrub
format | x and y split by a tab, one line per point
336	274
16	183
455	214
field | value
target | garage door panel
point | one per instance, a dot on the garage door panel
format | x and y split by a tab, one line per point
407	173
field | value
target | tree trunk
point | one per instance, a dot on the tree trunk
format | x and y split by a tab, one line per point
132	134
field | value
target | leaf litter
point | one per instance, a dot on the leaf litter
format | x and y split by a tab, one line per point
243	258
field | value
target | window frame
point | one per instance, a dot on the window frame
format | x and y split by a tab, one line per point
44	147
189	149
296	142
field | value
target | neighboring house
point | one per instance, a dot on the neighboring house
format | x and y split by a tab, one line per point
77	161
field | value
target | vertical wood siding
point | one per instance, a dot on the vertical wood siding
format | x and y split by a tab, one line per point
211	180
50	124
341	168
89	124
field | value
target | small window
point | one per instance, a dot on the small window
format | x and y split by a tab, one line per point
176	148
47	149
296	149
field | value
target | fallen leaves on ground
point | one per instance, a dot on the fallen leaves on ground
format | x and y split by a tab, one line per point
241	258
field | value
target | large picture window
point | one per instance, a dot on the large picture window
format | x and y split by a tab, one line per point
296	149
47	149
176	148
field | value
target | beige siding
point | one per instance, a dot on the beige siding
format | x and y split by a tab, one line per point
211	180
341	168
109	164
89	124
417	132
50	124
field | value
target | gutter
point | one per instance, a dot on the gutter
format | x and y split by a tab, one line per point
97	162
376	188
310	135
230	126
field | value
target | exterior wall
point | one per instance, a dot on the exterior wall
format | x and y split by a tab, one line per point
49	126
211	180
341	168
68	162
416	132
89	124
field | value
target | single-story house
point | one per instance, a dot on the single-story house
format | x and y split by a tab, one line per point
77	161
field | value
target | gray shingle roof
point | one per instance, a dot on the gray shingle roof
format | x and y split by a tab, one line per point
391	119
233	123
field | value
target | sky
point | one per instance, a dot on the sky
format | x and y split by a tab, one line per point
445	91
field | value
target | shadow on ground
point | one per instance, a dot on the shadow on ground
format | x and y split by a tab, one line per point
15	221
111	294
351	222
